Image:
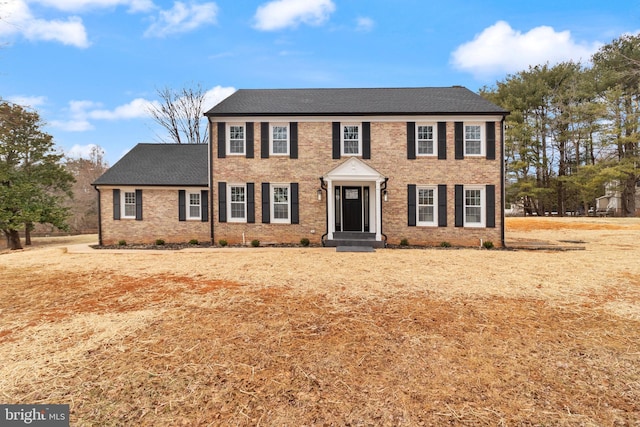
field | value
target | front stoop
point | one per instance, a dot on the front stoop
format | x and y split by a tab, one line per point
352	238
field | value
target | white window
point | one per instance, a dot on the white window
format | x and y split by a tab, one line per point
128	204
280	203
237	203
235	139
427	206
426	140
351	140
279	139
473	139
194	206
474	206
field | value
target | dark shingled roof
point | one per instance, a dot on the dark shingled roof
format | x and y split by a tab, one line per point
351	102
160	164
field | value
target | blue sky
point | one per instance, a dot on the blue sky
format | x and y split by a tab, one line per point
91	67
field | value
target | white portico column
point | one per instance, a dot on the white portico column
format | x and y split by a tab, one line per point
331	210
378	211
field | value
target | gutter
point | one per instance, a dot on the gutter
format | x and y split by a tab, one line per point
99	216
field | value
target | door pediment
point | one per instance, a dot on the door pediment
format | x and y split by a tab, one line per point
353	169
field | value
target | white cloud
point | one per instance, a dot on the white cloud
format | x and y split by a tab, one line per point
28	101
182	18
83	5
81	151
501	49
213	96
364	24
280	14
17	19
138	108
79	125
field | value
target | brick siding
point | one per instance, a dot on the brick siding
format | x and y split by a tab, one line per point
388	156
160	219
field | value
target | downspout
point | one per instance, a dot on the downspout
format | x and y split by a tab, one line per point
323	186
99	216
383	187
502	183
210	174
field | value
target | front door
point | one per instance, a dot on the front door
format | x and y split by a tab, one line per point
352	208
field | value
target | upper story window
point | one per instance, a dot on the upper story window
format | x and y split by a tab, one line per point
195	204
279	139
280	203
427	205
237	203
129	204
351	140
425	140
474	206
236	139
473	137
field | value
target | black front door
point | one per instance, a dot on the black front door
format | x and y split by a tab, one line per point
352	208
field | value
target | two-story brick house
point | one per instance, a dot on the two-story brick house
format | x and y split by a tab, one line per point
331	165
336	166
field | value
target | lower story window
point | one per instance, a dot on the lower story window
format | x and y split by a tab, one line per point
473	207
237	203
129	201
280	203
426	204
194	205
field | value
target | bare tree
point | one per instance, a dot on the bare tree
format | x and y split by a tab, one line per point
180	113
84	206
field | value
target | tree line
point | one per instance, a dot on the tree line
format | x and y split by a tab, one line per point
572	129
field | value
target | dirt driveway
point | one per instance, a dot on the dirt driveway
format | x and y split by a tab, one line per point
310	336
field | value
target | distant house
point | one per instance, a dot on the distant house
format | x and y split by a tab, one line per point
610	204
336	166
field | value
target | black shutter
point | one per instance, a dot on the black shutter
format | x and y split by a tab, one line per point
366	140
442	205
459	190
138	205
264	140
251	203
411	140
295	209
204	205
266	212
490	200
249	140
335	139
411	205
182	205
222	135
491	140
116	204
293	140
459	140
442	140
222	201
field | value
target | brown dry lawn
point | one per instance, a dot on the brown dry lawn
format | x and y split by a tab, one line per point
309	336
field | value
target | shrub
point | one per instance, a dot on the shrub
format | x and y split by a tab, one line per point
194	242
304	241
404	242
223	242
255	243
159	242
122	242
445	244
488	244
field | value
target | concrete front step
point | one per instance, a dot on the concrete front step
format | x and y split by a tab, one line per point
349	238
